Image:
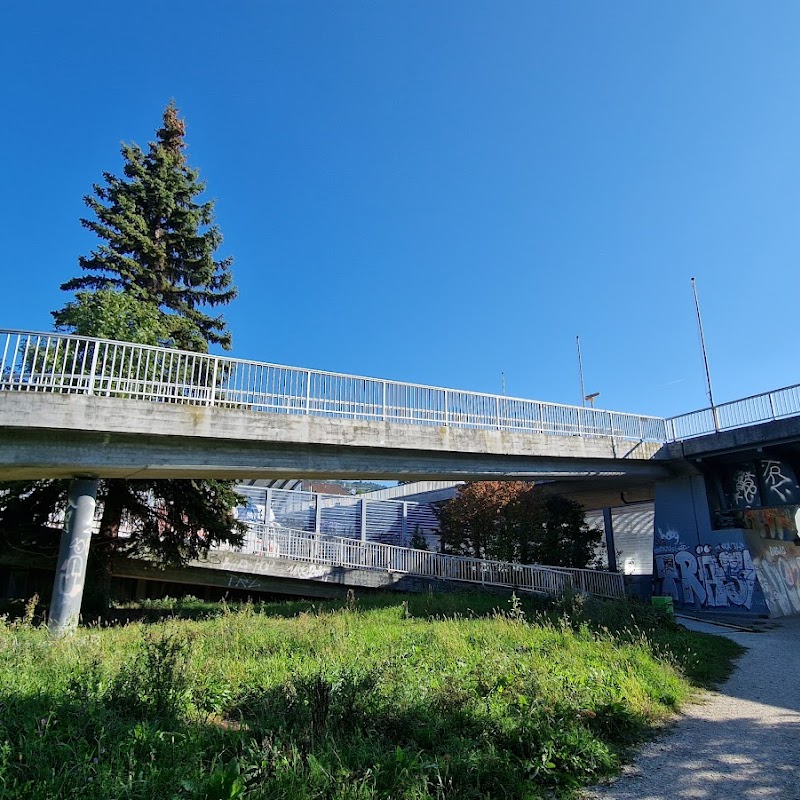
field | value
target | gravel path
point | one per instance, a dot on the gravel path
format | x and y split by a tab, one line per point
737	743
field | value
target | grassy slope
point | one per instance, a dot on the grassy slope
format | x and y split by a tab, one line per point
437	696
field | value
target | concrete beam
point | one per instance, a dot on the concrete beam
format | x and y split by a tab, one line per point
49	435
751	436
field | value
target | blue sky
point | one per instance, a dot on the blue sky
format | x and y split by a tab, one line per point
441	192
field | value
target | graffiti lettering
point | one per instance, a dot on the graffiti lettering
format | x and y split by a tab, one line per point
779	575
745	487
237	582
705	578
774	479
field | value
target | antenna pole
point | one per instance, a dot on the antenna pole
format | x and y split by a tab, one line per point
705	356
580	371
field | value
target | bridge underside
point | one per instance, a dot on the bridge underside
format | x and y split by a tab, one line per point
52	436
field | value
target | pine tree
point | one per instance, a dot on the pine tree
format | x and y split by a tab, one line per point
150	281
158	242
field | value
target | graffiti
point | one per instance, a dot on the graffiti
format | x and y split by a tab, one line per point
715	577
73	570
779	575
774	523
238	582
745	488
774	479
766	482
304	571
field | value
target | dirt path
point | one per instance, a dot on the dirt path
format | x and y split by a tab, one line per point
737	743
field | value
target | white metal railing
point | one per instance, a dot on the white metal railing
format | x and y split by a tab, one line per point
595	582
764	407
51	362
294	545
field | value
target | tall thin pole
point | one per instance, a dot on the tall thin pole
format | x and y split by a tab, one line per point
580	371
705	356
503	382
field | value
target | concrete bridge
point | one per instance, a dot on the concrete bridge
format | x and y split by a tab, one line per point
74	406
71	405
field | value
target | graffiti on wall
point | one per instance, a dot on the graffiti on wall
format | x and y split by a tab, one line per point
778	567
710	576
745	492
773	539
767	482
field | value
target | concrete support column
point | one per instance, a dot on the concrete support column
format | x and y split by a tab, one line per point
608	524
65	606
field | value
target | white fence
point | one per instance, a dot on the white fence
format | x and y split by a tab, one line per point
277	542
347	516
49	362
595	582
777	404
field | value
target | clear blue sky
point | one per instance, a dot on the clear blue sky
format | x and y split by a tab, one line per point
441	191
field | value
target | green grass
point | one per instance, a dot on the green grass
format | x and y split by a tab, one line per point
448	696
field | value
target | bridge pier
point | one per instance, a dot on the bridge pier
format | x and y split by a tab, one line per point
73	555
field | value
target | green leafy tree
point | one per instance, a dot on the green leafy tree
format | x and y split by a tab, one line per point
152	280
516	521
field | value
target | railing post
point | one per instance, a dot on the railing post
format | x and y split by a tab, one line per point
383	402
404	525
268	508
93	367
212	396
772	405
317	515
446	408
308	391
497	412
363	520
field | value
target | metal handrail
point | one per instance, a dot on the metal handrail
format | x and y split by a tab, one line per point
599	583
64	363
294	545
764	407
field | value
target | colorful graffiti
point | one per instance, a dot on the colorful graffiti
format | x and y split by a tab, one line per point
759	572
710	576
773	539
778	568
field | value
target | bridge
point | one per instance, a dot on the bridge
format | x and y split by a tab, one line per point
76	406
193	415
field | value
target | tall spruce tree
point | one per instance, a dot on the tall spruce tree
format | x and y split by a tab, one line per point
158	242
152	279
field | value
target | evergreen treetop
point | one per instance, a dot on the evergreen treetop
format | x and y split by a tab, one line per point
158	242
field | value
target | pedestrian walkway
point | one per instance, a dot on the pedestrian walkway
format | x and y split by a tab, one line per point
738	742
